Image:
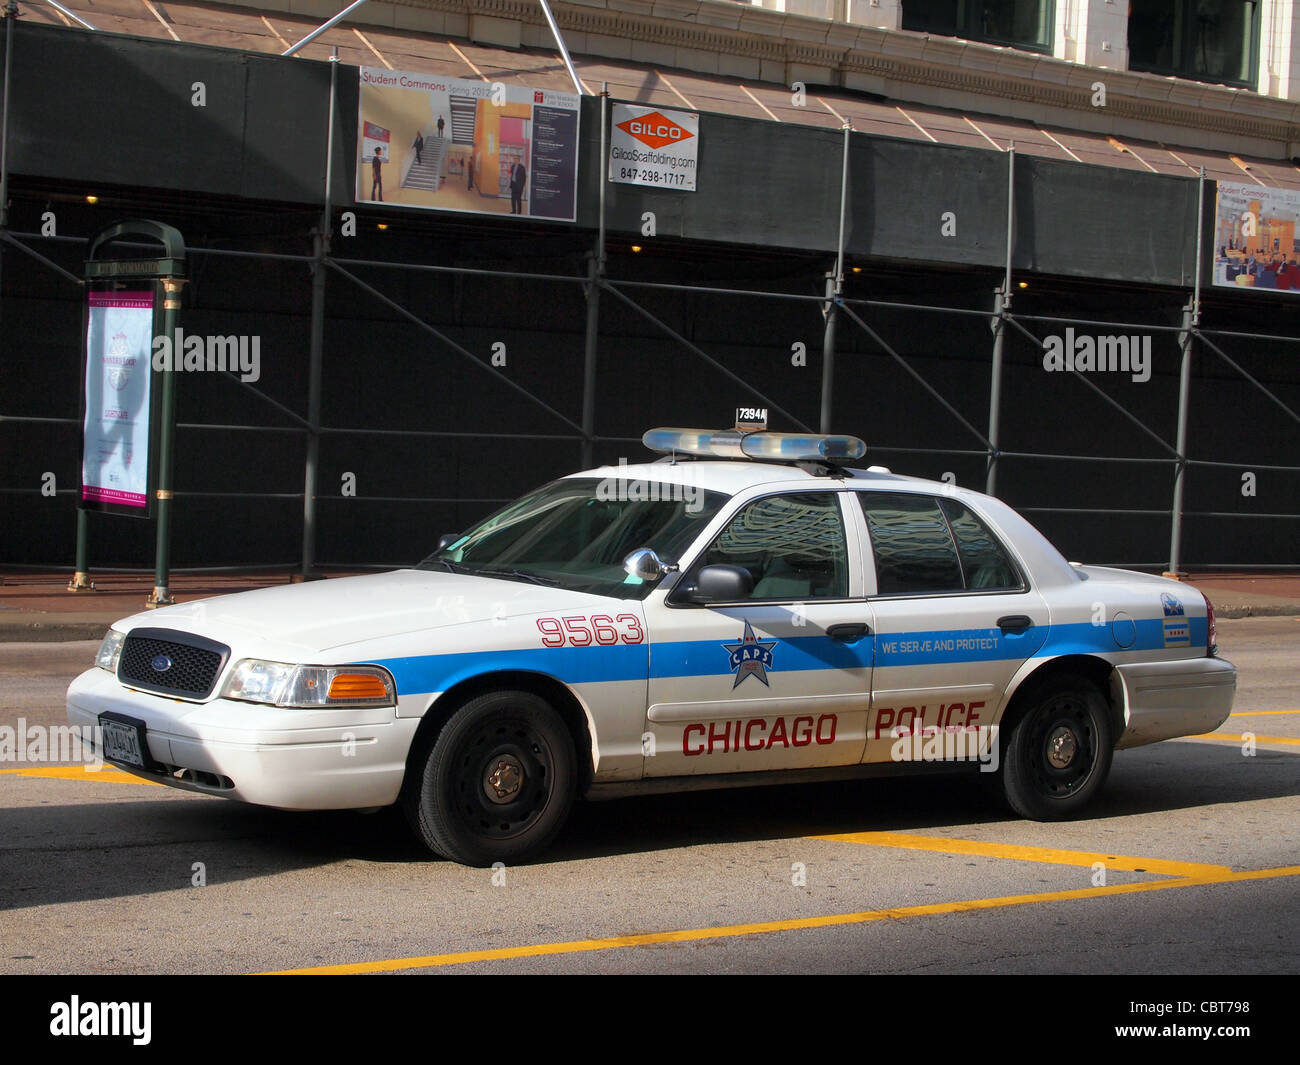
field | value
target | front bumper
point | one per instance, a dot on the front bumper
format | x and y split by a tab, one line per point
1183	697
319	759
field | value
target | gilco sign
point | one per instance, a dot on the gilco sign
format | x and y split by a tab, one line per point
650	146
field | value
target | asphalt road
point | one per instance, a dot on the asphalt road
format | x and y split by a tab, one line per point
1190	863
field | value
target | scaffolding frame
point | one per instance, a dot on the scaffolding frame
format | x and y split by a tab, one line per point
834	305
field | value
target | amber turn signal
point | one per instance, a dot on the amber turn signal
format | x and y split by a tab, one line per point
357	686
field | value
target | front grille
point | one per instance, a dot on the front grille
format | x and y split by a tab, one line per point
195	662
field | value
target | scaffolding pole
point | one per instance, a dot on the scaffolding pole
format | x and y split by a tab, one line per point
834	292
999	323
1001	308
70	14
320	249
1186	341
595	273
10	17
323	27
564	52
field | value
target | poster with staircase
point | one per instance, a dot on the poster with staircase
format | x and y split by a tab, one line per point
457	145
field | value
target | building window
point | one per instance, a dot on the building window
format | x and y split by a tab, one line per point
1018	23
1206	40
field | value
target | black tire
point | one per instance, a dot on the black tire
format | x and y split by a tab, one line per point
1057	754
498	783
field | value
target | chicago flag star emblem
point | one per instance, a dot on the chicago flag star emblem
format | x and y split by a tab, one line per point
751	657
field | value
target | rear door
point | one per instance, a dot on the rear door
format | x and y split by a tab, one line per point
954	618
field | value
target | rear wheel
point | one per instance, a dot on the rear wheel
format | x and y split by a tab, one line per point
1058	752
498	783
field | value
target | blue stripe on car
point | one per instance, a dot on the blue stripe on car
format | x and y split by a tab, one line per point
702	658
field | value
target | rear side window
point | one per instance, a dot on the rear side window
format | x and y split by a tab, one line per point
984	561
914	548
924	545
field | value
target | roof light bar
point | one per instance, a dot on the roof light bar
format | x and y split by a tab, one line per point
733	444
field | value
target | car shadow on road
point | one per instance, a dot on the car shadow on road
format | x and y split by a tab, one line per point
1164	778
53	854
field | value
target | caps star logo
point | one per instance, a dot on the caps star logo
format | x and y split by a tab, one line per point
751	657
654	130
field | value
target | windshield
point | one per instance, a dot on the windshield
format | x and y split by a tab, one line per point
575	533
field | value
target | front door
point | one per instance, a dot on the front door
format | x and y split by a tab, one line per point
781	679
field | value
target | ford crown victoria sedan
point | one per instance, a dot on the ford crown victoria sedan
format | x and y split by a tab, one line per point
747	609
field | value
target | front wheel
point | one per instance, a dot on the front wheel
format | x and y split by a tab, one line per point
1058	752
498	783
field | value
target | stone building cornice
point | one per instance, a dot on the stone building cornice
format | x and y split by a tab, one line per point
723	37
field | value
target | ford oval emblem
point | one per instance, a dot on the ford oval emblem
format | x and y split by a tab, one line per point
161	663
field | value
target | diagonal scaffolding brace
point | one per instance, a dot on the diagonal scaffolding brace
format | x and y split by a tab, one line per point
694	349
445	339
1118	406
1200	335
9	238
915	375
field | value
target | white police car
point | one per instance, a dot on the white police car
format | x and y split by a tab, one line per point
745	610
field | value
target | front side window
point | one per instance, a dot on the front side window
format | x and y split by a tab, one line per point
1207	40
793	546
1019	23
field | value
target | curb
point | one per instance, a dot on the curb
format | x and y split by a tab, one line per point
53	632
1270	610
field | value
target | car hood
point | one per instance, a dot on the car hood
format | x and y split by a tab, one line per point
321	615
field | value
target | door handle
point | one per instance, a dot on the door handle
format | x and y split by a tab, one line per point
849	631
1015	623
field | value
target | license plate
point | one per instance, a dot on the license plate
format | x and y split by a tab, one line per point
123	742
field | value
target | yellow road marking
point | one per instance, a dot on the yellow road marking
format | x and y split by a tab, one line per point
537	950
1293	741
1012	852
107	775
1261	713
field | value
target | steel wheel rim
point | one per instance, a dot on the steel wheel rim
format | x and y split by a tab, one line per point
1062	747
502	778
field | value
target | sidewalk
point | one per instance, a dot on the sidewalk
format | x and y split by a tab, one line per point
36	607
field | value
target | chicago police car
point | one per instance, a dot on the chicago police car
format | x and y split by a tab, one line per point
744	610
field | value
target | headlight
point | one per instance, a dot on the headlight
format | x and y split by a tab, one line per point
285	684
110	650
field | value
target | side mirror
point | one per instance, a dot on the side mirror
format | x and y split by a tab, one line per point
446	540
721	584
646	565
